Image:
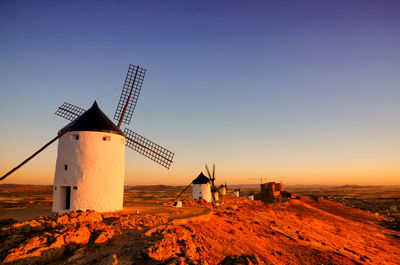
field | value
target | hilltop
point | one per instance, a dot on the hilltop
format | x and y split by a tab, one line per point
302	231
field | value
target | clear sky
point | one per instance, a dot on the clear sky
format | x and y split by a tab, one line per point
307	92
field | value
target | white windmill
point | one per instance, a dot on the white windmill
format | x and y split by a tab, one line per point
203	187
236	192
222	189
91	155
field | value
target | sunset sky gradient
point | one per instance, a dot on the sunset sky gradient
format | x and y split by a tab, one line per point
307	92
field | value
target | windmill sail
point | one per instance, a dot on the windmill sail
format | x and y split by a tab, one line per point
148	148
130	94
208	172
213	172
69	111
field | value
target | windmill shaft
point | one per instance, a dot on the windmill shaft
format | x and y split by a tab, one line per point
148	149
33	155
183	191
129	97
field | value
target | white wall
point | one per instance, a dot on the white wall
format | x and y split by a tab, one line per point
95	167
202	191
216	195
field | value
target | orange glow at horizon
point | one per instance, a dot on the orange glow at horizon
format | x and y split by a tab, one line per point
303	93
147	173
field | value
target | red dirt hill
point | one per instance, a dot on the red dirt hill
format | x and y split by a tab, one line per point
239	231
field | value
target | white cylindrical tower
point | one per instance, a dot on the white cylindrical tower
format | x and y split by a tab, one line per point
90	165
215	195
202	188
222	190
236	193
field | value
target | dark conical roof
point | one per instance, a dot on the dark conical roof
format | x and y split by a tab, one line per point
201	179
92	120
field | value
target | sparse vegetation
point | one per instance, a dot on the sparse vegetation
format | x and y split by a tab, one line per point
298	231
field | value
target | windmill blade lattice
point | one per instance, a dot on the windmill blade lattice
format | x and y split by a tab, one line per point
130	94
208	173
69	111
213	172
148	148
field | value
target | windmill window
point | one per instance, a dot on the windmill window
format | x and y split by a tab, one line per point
106	138
76	137
75	187
65	167
55	188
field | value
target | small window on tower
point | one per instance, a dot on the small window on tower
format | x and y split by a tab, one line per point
75	187
106	138
65	167
76	137
55	188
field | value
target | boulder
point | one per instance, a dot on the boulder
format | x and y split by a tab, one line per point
80	236
243	259
78	254
104	236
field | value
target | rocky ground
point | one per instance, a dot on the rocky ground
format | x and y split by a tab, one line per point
239	231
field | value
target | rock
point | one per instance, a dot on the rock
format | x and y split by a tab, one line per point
174	261
104	236
59	242
182	261
32	248
5	232
80	253
80	236
243	259
22	227
34	223
72	214
110	260
36	226
63	219
90	217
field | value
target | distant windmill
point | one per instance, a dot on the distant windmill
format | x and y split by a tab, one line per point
236	192
203	187
91	154
222	189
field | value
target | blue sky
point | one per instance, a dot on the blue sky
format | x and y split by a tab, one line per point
304	91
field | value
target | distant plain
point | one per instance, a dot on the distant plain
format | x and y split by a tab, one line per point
22	202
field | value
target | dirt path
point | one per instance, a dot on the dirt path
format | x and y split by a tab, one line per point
172	213
24	214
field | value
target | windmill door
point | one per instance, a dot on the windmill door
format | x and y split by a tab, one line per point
65	197
68	198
